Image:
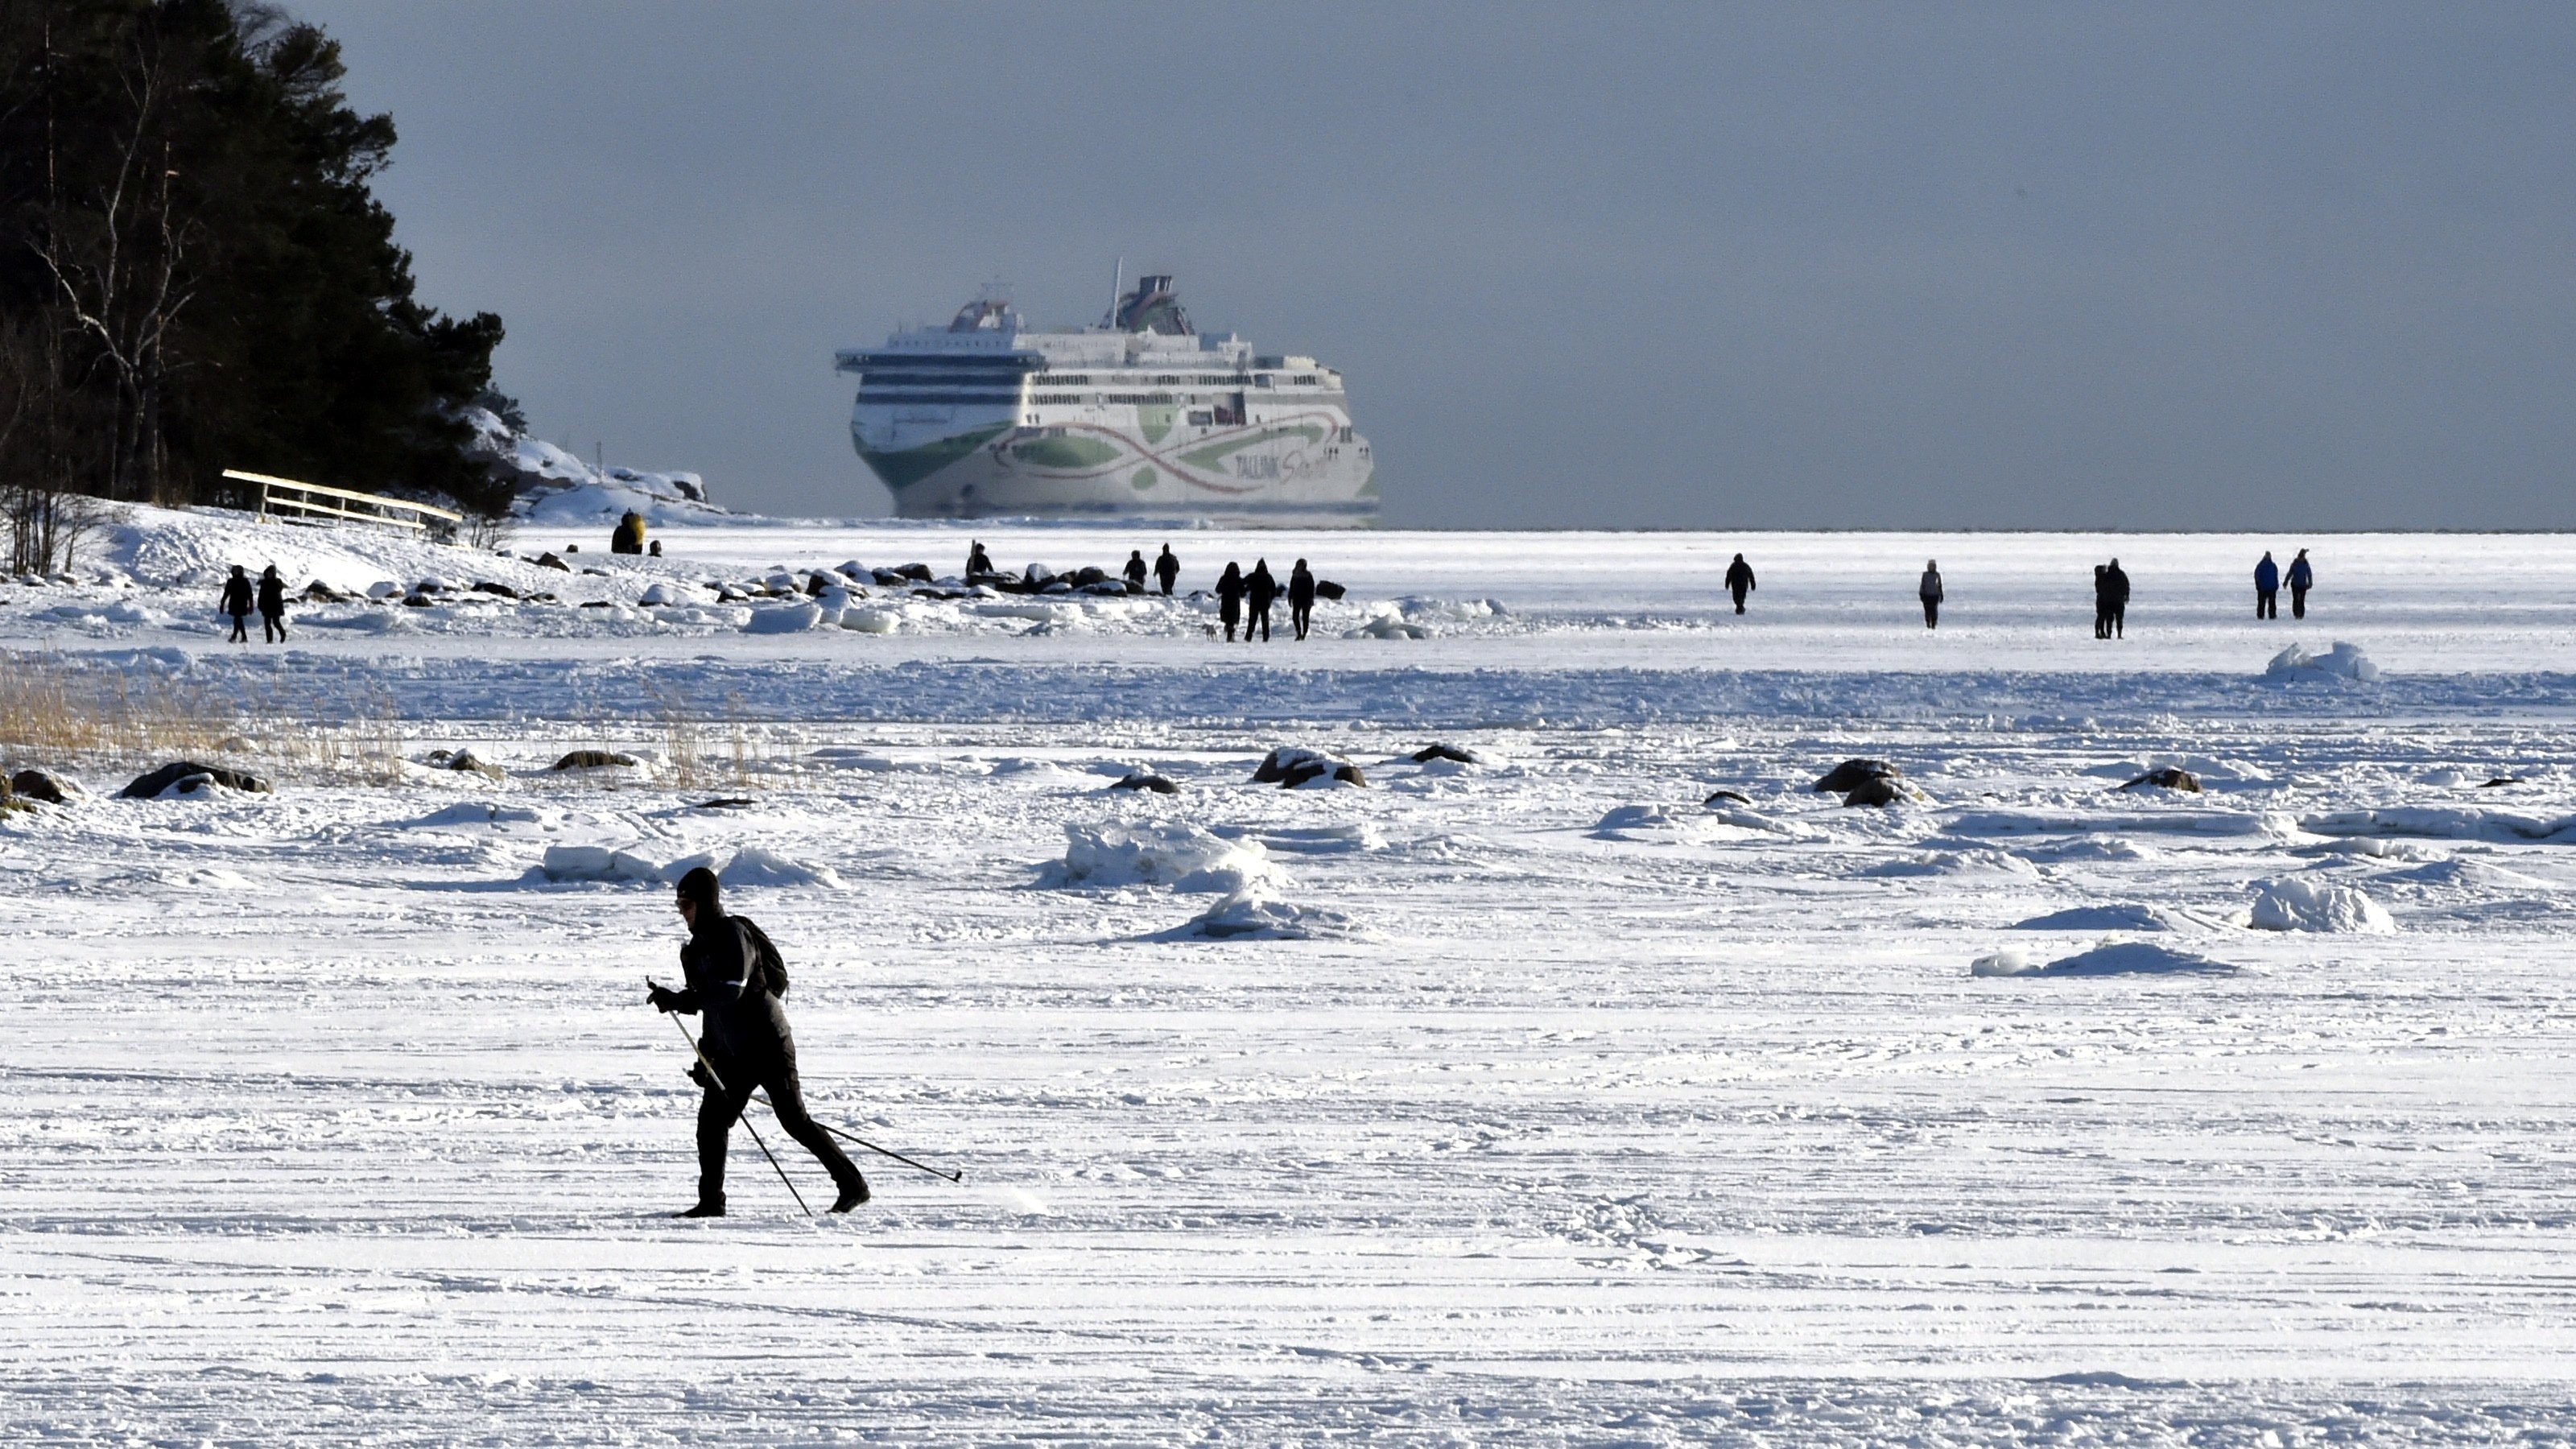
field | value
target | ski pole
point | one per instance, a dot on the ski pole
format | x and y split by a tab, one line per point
856	1140
718	1079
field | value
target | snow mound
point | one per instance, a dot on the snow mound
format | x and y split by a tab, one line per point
872	620
2307	905
1325	839
1251	916
2374	847
1183	857
754	866
2124	958
2445	822
2476	874
2186	820
2344	661
1620	821
473	812
2125	917
1989	863
557	488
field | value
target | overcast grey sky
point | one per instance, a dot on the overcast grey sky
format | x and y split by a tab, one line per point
1741	266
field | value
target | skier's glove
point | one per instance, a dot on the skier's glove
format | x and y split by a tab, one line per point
699	1074
663	998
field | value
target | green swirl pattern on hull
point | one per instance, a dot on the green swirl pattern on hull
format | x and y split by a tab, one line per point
1139	414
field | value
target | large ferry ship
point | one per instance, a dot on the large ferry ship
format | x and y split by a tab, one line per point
1139	415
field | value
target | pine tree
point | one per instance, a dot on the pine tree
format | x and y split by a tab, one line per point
192	257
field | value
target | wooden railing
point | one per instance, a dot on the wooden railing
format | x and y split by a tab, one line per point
286	498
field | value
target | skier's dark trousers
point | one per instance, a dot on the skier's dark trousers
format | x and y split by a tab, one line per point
735	981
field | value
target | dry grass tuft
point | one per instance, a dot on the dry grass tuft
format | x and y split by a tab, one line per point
57	713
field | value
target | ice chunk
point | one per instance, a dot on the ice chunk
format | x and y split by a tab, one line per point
1183	857
784	619
597	862
2309	905
2344	661
2444	822
871	620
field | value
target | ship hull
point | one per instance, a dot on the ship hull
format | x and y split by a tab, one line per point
1290	468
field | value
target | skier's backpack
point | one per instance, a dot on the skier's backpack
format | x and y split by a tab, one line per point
757	946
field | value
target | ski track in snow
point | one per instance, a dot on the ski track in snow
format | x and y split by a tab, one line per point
334	1119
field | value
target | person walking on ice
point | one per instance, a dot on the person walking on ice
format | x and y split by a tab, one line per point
2302	579
735	981
237	602
2115	584
1229	598
1135	571
2101	602
1167	570
1301	598
1930	592
2267	588
272	606
1264	591
1739	581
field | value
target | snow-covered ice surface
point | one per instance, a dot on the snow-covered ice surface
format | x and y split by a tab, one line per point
1526	1100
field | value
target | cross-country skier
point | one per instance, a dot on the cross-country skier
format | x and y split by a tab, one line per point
735	981
1739	581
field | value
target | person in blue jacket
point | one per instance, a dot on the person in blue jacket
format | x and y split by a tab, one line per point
2267	588
2302	579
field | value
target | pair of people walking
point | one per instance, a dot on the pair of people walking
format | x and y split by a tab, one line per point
2267	586
268	596
2110	601
1246	599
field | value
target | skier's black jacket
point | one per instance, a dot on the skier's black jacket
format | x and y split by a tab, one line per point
735	979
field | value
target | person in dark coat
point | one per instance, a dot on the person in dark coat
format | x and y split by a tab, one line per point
272	606
2117	583
2302	579
735	981
1135	571
237	602
2267	588
979	564
1301	598
1739	581
1167	570
1264	591
1930	592
2101	602
1229	598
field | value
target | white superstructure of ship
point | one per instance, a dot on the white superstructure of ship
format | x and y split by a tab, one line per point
1140	415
